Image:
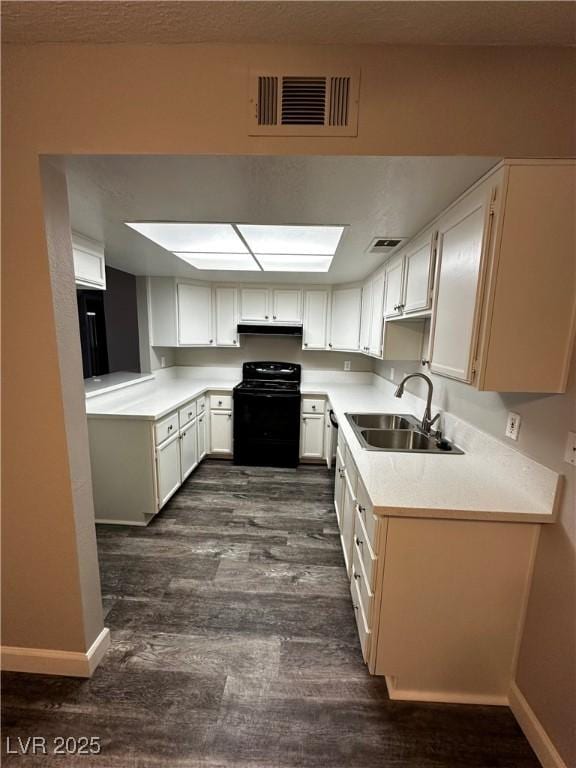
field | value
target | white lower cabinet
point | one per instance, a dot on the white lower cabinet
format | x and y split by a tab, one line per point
345	499
202	429
168	469
312	436
221	432
188	448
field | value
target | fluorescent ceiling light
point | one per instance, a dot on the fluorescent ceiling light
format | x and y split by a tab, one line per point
274	262
184	236
236	261
291	240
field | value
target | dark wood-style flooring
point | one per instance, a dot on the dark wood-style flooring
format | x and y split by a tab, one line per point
234	644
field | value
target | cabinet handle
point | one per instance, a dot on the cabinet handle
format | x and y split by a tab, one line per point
274	317
211	341
313	407
170	427
229	416
330	345
201	419
234	342
305	343
425	362
355	606
219	402
359	542
361	509
266	317
357	576
189	413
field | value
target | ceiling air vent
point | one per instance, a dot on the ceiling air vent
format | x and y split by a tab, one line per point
304	104
383	246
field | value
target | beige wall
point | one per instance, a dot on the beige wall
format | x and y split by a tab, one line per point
547	664
261	348
63	99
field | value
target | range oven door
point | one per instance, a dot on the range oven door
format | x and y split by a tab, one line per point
266	428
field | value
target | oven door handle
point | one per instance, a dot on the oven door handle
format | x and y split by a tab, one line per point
332	419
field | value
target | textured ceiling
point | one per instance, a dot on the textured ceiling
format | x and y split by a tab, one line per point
375	196
267	21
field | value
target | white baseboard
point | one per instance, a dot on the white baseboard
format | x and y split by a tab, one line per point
49	662
534	730
443	697
104	521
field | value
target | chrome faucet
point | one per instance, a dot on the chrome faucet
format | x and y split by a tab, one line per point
427	420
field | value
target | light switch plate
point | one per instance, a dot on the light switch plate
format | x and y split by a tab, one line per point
570	453
513	425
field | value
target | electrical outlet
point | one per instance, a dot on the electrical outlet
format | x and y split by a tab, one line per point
513	425
570	453
346	365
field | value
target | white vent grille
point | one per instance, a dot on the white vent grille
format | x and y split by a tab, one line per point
304	104
385	245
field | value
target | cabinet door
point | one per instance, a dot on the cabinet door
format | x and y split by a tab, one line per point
287	305
221	432
347	527
377	316
393	301
315	324
339	487
226	317
194	314
312	436
366	317
460	247
201	430
418	271
345	321
254	304
167	469
89	266
188	448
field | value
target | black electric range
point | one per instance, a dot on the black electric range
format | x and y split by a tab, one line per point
267	415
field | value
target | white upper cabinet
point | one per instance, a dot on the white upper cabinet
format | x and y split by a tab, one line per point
226	317
89	266
366	317
345	320
394	274
461	239
315	324
255	305
287	305
376	315
418	274
194	314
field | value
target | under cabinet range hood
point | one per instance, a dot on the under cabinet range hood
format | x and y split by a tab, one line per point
269	329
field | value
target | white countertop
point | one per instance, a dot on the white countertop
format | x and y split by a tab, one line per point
489	481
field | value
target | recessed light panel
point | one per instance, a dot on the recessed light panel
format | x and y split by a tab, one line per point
231	261
274	262
291	240
191	237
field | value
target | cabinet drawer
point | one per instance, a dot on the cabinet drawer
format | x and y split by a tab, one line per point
187	413
362	583
365	551
220	402
371	522
166	428
201	404
312	405
363	630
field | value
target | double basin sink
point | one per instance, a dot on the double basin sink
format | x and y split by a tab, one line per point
396	432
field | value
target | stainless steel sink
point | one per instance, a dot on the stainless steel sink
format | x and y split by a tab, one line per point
383	420
399	432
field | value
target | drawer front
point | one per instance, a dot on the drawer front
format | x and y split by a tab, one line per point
362	585
313	405
365	550
201	404
371	522
220	402
363	631
166	428
187	413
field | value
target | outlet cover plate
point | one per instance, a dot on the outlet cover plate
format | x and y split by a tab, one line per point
570	452
513	425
